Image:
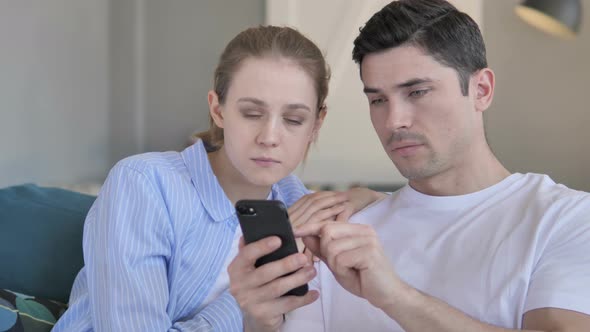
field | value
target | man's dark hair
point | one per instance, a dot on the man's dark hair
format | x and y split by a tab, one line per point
451	37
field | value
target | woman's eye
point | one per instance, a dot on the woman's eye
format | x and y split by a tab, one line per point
252	115
295	122
418	93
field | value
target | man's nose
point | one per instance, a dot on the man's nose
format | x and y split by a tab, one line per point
398	116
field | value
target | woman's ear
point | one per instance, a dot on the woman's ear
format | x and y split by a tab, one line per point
318	123
484	82
215	108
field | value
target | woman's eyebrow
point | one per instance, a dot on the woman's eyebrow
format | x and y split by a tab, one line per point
252	100
258	102
297	106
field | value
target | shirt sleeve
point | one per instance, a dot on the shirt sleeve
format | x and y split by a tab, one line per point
128	243
561	276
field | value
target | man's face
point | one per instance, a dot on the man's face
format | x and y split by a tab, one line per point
421	117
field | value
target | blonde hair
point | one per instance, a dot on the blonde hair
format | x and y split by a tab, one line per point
259	42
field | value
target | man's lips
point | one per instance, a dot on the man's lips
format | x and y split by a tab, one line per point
400	146
406	149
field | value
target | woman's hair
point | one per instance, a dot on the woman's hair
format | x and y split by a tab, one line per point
260	42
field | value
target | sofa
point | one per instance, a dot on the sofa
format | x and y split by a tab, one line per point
40	253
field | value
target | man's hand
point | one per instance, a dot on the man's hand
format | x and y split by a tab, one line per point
327	206
355	256
258	290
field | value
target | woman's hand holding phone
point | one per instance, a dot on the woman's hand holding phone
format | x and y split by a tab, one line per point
259	291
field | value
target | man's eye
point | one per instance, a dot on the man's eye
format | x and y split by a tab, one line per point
377	101
418	93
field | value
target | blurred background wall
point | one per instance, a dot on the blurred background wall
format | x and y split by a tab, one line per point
84	83
54	91
538	122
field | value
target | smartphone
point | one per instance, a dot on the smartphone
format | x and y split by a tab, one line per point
263	218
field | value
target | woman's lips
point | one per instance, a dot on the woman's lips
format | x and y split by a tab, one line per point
265	162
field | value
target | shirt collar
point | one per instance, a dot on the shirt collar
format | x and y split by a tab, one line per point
208	188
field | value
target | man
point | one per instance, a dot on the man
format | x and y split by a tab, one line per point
465	246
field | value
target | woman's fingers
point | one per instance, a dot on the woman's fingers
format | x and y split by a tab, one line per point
307	206
269	315
259	291
310	198
248	277
319	215
284	304
281	285
327	214
248	254
362	197
250	296
346	214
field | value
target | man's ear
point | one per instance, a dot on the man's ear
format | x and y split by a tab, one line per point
318	124
483	86
215	108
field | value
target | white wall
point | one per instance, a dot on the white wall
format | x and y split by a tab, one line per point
164	56
540	116
53	91
84	83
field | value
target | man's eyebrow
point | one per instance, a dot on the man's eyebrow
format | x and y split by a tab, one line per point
406	84
367	89
414	81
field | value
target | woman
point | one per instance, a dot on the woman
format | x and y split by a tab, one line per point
159	238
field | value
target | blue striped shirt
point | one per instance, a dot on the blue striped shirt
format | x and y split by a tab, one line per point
154	244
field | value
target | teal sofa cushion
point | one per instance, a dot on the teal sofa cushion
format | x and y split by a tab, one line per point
41	239
23	313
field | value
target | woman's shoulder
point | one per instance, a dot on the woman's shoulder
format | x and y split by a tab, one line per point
153	161
291	189
160	169
149	178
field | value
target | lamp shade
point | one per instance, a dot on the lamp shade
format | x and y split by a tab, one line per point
557	17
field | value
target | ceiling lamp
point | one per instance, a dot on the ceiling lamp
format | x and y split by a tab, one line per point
557	17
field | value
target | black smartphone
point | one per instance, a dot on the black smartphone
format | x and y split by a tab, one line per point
263	218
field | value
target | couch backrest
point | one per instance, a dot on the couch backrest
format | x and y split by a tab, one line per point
41	239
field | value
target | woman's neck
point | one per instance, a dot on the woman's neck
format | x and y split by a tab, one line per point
232	182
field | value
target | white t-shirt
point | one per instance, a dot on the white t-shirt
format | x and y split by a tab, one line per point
519	245
222	281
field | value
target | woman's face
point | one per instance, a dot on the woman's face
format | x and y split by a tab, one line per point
269	118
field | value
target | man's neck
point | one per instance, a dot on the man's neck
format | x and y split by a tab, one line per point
476	173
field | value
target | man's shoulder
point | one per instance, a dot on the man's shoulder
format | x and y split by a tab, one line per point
541	190
379	210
